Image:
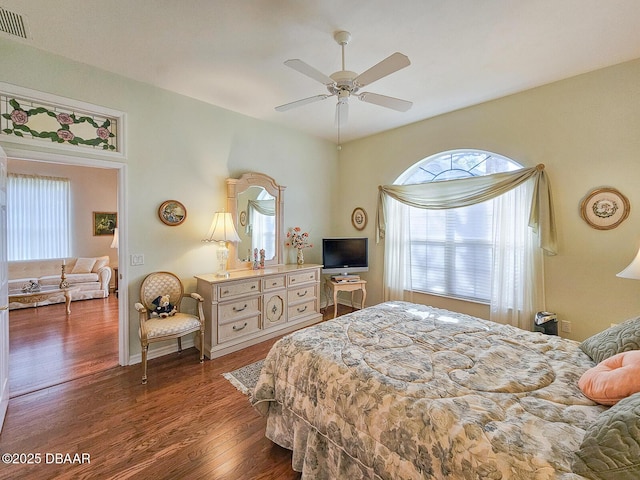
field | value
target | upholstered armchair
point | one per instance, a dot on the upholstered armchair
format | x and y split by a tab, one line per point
154	328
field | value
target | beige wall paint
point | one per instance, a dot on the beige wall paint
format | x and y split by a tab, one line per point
92	190
585	130
183	149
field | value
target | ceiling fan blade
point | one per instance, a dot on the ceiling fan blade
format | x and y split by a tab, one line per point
342	113
299	103
391	64
309	71
384	101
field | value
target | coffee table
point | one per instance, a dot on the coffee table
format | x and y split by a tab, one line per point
45	293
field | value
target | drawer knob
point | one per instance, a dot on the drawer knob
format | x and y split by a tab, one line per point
237	329
300	311
240	309
253	287
226	292
302	294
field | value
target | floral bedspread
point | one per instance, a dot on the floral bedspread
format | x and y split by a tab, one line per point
405	391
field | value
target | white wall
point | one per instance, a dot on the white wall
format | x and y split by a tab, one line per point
183	149
585	130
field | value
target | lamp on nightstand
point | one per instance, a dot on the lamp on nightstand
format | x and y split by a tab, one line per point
632	270
222	231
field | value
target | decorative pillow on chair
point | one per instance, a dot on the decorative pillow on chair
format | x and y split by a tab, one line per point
620	338
612	379
610	448
83	265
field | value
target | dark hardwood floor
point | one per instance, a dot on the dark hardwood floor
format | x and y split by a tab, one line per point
47	347
188	421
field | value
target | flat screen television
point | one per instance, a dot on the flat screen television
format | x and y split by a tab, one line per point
344	256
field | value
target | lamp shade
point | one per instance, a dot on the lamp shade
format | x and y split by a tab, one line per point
633	269
222	229
114	242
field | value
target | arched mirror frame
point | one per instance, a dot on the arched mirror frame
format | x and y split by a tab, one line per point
235	186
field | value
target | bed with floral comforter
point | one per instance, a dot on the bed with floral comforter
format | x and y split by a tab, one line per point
406	391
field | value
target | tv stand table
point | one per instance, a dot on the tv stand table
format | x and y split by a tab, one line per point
345	286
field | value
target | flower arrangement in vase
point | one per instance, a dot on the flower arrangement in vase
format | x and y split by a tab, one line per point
298	239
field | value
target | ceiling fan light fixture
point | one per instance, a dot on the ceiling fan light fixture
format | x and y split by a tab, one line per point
344	83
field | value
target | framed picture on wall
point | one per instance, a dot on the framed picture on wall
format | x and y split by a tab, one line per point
359	218
172	213
104	223
604	208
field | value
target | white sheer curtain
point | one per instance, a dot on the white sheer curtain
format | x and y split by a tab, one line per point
517	289
397	253
38	217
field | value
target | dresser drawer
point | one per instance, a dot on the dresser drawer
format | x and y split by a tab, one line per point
303	277
271	283
241	308
300	294
274	309
302	309
241	288
232	330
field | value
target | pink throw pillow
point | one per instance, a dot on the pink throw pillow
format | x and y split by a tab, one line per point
613	379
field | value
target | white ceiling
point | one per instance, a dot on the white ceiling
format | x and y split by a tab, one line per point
230	53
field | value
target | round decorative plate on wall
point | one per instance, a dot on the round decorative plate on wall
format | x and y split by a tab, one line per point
605	208
359	218
172	213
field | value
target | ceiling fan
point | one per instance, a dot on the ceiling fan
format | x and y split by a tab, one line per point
345	83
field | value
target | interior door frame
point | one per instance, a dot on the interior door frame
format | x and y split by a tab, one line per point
121	167
4	297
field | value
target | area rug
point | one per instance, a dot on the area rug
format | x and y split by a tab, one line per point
245	378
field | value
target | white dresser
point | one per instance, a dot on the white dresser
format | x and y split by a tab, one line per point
251	306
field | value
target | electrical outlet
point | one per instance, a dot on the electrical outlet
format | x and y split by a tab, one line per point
137	259
566	326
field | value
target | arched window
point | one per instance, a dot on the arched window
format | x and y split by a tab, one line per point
451	251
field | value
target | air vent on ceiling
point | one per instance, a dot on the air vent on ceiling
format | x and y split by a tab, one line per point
13	24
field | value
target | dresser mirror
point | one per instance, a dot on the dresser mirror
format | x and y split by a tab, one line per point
256	204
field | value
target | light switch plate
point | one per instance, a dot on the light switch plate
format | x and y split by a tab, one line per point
137	259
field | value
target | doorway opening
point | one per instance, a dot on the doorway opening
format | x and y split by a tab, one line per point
47	346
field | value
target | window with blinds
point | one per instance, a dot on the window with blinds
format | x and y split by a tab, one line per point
452	250
38	217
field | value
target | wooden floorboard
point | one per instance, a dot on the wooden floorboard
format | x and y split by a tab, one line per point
47	347
187	422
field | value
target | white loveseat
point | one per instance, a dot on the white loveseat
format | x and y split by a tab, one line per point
90	276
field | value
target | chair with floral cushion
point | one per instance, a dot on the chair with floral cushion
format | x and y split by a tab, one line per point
156	327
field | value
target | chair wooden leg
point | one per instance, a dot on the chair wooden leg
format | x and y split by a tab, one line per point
144	364
179	345
201	346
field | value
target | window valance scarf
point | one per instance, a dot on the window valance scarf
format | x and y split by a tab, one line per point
265	207
468	191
